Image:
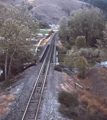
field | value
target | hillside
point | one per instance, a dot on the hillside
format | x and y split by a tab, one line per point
102	4
49	11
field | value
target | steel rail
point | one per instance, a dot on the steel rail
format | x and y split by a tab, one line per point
34	87
47	68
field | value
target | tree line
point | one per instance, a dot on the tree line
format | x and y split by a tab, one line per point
83	22
102	4
16	27
86	34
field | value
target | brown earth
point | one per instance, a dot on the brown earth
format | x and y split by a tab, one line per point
96	79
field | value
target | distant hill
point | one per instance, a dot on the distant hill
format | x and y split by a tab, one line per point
49	11
102	4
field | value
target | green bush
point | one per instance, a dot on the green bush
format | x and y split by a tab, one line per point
66	45
80	42
81	64
58	68
30	7
89	53
68	99
70	112
69	62
70	107
61	51
71	41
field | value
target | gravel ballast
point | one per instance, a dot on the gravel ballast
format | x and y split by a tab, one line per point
50	105
17	109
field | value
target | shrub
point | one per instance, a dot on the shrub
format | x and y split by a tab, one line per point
103	54
58	68
66	45
69	61
72	41
89	53
80	42
30	7
61	51
68	99
70	112
81	64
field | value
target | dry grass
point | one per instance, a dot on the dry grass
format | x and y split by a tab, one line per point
44	42
3	98
3	105
3	111
95	99
96	80
10	98
60	44
68	83
103	73
93	103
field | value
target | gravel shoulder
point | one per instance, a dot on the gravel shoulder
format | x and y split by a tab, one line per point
55	82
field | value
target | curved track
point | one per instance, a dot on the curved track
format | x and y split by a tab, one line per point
33	104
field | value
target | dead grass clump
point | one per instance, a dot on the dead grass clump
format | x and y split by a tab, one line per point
3	111
3	97
3	105
45	41
10	98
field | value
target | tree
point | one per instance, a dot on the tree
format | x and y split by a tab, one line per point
43	25
15	41
102	4
87	22
63	29
16	28
102	44
80	42
81	64
20	13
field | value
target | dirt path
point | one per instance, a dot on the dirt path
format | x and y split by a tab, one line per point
49	109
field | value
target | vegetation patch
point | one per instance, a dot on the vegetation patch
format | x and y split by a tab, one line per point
81	65
80	42
68	99
68	103
58	68
43	31
84	109
4	103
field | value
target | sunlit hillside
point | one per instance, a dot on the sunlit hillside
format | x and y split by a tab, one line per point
49	11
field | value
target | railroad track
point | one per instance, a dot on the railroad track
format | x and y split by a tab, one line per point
33	105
